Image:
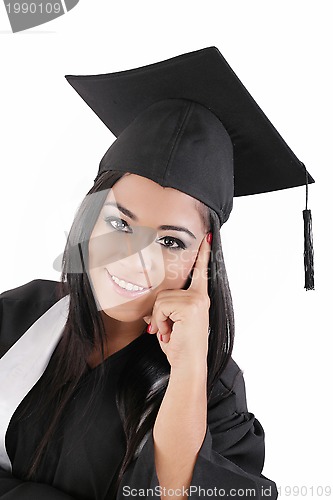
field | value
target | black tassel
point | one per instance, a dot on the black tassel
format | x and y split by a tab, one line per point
308	244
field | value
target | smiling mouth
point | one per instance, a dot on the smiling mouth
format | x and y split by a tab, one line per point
127	285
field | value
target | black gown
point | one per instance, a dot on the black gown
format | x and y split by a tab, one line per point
85	452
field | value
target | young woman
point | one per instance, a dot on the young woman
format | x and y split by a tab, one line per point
95	403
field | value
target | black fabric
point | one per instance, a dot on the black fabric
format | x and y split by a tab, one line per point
176	140
88	446
136	106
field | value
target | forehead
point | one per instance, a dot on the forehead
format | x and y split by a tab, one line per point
148	200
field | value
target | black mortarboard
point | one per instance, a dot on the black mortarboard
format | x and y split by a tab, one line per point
190	124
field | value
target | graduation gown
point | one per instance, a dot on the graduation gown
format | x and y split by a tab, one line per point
87	448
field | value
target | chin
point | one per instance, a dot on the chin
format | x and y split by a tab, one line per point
124	314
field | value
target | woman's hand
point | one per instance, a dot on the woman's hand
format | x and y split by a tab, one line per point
182	317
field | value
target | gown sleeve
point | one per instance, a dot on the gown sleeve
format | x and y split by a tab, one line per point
230	460
19	308
12	488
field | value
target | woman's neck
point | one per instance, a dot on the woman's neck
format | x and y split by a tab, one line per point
119	334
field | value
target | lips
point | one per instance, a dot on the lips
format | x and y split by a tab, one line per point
123	291
128	281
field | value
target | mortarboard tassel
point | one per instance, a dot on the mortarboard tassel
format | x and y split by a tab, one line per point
308	243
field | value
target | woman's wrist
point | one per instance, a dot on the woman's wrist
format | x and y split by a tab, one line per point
196	371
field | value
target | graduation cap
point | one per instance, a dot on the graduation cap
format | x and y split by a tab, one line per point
189	123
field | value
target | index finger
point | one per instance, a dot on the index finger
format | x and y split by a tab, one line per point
200	269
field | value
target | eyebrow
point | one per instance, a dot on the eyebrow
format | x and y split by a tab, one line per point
165	227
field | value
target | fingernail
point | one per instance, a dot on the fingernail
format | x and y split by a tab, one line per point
161	337
209	237
149	328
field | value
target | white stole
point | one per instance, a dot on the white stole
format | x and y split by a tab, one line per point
25	362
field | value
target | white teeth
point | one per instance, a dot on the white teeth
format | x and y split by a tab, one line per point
127	286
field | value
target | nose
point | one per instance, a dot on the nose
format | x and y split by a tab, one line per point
144	260
146	266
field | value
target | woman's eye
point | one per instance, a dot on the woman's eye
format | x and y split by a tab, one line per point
179	244
116	223
121	225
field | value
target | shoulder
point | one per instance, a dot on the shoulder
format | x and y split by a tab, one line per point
230	389
20	307
35	291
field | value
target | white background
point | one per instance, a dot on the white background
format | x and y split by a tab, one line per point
51	144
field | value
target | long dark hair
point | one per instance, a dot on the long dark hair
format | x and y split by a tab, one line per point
144	380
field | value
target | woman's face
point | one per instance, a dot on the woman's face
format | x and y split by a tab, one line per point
130	242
